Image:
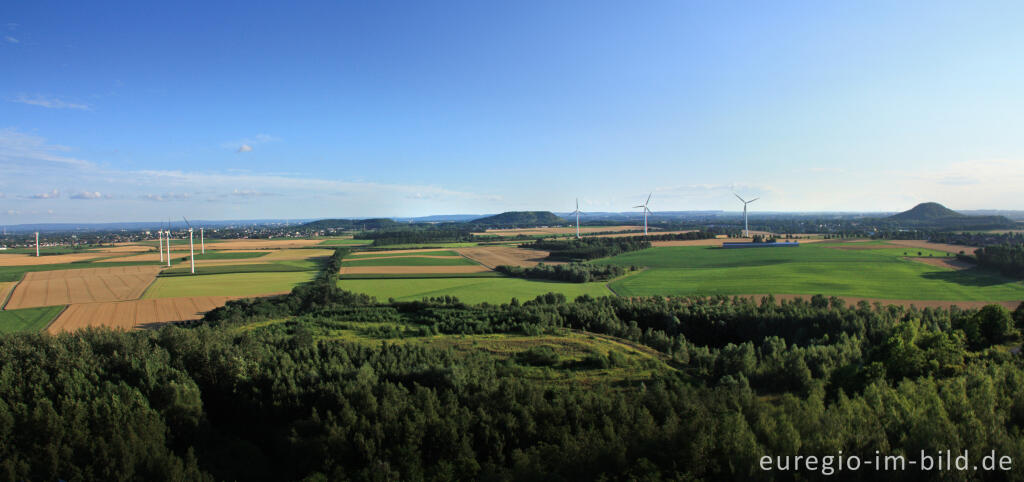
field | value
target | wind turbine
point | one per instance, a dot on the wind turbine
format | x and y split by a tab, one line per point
37	244
577	212
644	205
168	243
746	227
160	238
202	242
191	250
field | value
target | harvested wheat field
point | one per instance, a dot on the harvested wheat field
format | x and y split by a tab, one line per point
266	243
124	249
652	233
547	231
5	289
949	248
492	256
853	300
30	260
412	269
127	315
63	287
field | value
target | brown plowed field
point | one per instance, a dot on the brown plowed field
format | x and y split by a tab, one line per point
412	269
127	315
949	263
492	256
32	260
949	248
852	300
63	287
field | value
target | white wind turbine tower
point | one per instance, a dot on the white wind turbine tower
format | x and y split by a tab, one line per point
168	243
160	238
577	212
644	205
746	227
191	249
202	242
37	244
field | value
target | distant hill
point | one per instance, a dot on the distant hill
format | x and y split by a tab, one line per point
375	223
936	216
521	219
926	211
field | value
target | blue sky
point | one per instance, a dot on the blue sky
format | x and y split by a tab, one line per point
132	111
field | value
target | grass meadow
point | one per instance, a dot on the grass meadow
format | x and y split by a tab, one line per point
27	320
230	284
469	290
809	269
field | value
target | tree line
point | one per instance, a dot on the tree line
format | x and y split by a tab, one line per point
1008	259
571	272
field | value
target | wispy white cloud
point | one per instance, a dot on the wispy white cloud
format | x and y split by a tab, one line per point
166	197
11	40
90	195
246	144
49	102
20	150
54	194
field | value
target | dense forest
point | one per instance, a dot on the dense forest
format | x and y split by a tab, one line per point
416	235
265	389
1008	259
571	272
584	249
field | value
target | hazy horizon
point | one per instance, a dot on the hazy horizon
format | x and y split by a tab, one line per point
123	112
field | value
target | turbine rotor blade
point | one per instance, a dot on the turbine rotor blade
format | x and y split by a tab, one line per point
738	197
752	200
648	198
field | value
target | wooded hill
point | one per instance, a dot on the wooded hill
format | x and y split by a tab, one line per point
936	216
520	219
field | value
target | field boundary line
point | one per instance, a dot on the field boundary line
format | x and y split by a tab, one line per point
150	285
10	293
55	318
608	284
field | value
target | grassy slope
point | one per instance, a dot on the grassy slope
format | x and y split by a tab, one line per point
408	261
278	267
809	269
28	319
571	347
242	284
469	290
222	255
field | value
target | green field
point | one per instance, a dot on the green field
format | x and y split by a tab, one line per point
408	261
220	255
50	250
481	274
234	284
180	242
28	319
278	267
808	269
469	290
372	254
345	242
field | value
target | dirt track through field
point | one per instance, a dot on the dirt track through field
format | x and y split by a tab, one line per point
949	248
62	287
493	256
412	269
853	300
128	315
